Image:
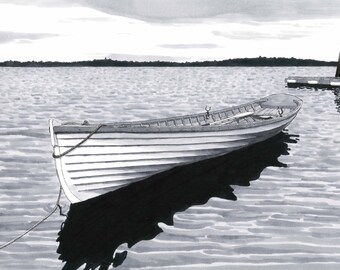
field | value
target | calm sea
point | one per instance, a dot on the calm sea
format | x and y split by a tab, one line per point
273	206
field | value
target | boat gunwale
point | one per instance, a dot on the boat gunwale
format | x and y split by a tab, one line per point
118	127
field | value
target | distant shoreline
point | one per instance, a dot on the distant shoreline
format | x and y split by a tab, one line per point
237	62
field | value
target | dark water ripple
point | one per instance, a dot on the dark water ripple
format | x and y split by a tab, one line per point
287	219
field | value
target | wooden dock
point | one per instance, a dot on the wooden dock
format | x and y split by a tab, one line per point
313	82
316	82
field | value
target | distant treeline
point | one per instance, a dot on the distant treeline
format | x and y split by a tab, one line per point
243	62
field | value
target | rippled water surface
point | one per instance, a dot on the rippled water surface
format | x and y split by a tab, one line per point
286	215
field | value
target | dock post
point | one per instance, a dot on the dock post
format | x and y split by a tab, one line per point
337	73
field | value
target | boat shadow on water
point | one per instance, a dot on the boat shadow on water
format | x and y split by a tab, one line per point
95	228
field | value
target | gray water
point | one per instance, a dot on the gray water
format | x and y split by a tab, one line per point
288	218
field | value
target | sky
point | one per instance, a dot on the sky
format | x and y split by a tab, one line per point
168	30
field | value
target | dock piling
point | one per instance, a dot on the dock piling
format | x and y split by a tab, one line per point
337	73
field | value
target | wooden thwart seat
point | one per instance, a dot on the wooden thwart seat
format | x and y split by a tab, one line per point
232	118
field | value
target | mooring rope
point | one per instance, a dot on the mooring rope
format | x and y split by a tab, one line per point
78	144
36	224
58	199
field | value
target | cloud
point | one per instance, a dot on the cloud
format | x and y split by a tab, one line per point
189	46
237	10
40	3
187	10
83	33
258	35
89	19
133	57
7	37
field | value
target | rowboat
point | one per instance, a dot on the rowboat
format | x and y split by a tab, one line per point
93	159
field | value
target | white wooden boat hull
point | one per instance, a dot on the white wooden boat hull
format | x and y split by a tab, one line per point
113	158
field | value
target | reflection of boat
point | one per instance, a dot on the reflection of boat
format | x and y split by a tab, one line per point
95	229
94	159
337	99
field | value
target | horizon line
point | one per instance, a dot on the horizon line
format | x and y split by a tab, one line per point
168	61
